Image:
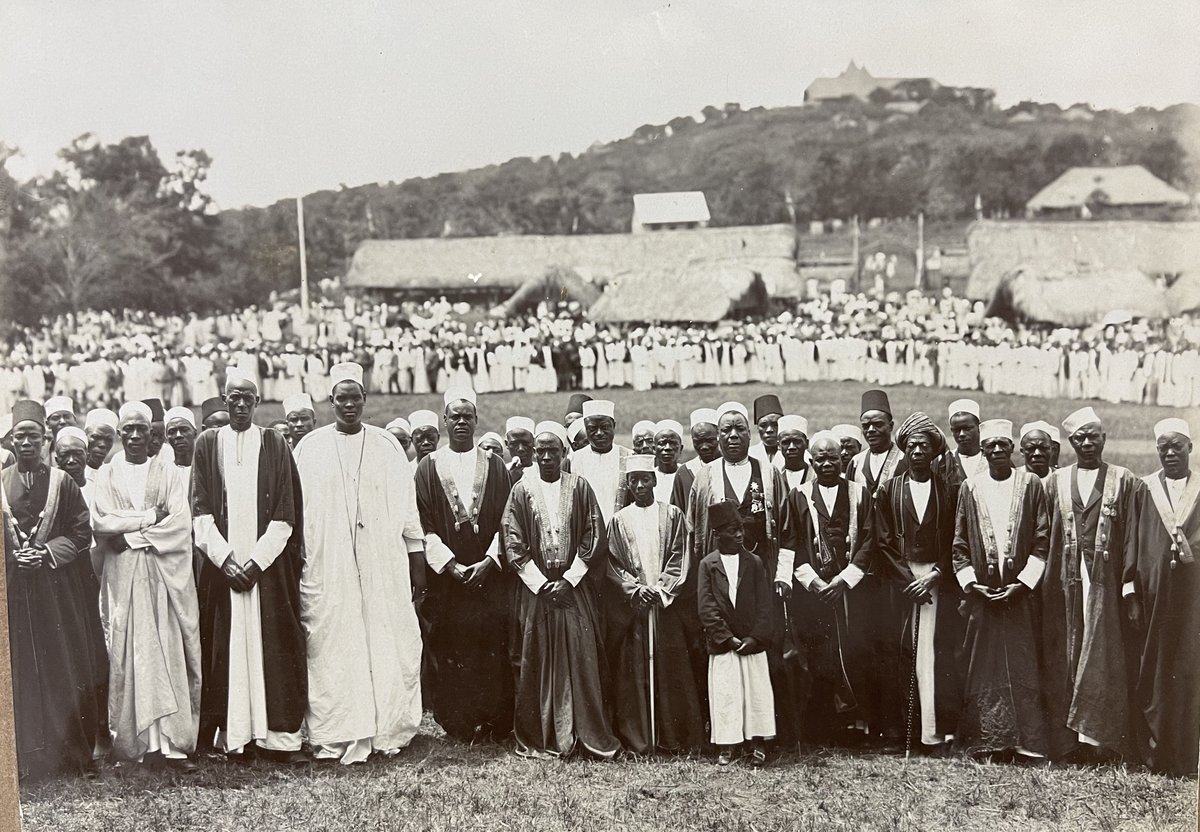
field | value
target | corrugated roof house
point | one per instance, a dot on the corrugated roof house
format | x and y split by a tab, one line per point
1155	249
703	291
670	211
1120	186
492	268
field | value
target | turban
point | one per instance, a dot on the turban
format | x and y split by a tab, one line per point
920	423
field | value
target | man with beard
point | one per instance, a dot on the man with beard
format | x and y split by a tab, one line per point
148	600
673	482
158	427
1037	448
553	532
835	540
101	429
358	598
851	441
1166	593
915	525
954	467
654	697
1001	540
704	438
53	612
248	521
461	493
602	463
518	436
793	450
401	430
214	413
425	432
1087	686
301	416
767	412
181	436
761	495
643	437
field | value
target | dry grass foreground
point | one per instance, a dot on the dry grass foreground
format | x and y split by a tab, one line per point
442	785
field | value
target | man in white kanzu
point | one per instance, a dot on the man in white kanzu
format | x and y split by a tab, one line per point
358	594
246	506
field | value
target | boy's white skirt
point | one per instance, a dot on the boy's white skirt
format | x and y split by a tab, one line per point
741	702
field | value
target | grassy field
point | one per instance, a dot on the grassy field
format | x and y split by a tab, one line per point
824	404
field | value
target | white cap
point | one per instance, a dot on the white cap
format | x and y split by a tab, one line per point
59	404
555	428
424	419
599	407
491	434
101	416
791	422
639	462
847	431
825	436
459	394
669	424
297	402
1082	416
963	406
519	423
573	430
134	409
234	374
644	426
733	407
346	371
1044	427
69	431
401	423
1171	425
996	429
704	416
184	413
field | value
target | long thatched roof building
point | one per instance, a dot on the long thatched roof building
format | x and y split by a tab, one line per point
1076	298
703	291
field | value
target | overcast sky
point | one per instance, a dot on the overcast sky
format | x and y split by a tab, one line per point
296	96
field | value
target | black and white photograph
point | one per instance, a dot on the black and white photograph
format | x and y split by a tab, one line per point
749	415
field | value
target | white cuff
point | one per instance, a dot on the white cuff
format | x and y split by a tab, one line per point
1128	589
851	575
966	577
272	543
414	544
532	576
1032	573
210	541
783	567
575	571
493	551
437	553
806	575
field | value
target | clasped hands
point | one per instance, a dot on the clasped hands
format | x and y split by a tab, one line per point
559	593
746	646
473	576
920	591
31	558
645	597
998	595
241	579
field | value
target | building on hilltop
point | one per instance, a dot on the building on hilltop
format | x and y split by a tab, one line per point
856	83
1090	191
681	210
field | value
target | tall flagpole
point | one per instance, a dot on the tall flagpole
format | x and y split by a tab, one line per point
303	257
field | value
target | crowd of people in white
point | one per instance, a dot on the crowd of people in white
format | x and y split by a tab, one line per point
101	358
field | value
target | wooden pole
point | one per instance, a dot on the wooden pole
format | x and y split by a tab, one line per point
919	279
10	794
857	273
303	256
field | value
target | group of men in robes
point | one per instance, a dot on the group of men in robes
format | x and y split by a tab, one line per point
247	591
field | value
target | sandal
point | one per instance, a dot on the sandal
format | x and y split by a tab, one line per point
758	758
725	758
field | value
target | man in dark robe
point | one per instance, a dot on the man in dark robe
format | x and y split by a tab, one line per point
915	533
553	530
1001	540
647	544
703	434
518	438
1084	618
793	448
53	609
834	618
761	494
1166	596
247	514
461	492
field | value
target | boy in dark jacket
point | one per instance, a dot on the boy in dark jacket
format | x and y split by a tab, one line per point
735	597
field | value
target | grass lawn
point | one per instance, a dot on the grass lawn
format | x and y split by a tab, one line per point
824	404
439	784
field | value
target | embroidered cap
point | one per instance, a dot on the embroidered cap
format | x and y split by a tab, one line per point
1045	427
639	462
849	432
70	432
519	423
424	419
345	371
996	429
234	375
704	416
669	425
297	402
1172	425
184	413
963	406
130	410
459	394
823	436
791	422
1082	416
59	404
100	417
644	426
599	407
552	428
733	407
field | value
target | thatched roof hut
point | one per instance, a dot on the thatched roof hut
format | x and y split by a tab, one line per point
704	291
495	267
1049	294
1183	295
555	285
1120	185
1153	248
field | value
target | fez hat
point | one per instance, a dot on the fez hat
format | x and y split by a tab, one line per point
875	400
575	405
767	405
27	410
211	406
157	413
723	513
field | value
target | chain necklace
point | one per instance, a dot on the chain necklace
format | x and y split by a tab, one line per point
354	523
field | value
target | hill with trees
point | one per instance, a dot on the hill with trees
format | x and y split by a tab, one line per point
123	229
